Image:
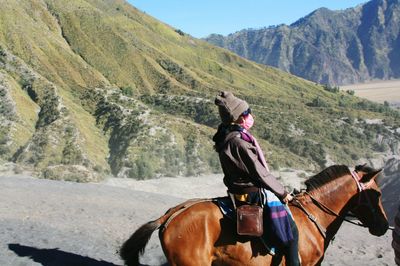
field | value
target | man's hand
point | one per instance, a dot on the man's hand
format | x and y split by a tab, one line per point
287	199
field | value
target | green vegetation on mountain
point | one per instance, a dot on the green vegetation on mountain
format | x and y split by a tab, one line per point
90	88
328	47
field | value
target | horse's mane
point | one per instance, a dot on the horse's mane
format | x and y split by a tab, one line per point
327	175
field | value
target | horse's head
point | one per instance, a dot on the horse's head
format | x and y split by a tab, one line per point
367	204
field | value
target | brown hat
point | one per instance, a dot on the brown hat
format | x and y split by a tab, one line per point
230	107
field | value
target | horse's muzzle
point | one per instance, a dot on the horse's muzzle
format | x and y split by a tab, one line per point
379	229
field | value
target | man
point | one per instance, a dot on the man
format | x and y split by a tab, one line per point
245	169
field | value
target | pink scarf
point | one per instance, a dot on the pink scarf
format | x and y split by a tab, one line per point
250	138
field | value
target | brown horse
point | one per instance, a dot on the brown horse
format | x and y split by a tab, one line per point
196	233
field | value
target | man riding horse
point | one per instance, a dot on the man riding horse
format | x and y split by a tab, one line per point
196	232
246	173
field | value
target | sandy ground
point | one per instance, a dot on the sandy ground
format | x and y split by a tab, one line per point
378	91
44	222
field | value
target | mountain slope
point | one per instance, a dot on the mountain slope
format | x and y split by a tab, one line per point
329	47
91	87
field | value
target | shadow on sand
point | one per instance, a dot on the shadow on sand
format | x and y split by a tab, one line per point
55	257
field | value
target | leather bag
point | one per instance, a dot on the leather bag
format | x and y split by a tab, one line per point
249	220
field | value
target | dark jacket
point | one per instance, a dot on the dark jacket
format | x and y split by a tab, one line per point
243	171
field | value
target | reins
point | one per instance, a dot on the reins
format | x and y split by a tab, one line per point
361	187
325	208
330	211
321	229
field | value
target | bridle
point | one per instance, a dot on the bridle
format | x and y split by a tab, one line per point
362	187
361	192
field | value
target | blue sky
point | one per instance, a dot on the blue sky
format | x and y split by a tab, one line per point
200	18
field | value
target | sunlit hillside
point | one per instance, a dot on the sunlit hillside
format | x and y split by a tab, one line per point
92	87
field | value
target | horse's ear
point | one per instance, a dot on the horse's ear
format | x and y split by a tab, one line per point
370	176
360	167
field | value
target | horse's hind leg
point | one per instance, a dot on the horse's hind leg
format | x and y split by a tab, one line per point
189	238
186	255
185	251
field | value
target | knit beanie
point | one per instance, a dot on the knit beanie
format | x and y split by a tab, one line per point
230	107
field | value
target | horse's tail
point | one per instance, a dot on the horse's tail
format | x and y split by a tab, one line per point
135	245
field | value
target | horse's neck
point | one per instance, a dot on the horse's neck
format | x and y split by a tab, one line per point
335	195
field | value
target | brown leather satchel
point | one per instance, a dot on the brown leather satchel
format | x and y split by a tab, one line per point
249	220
